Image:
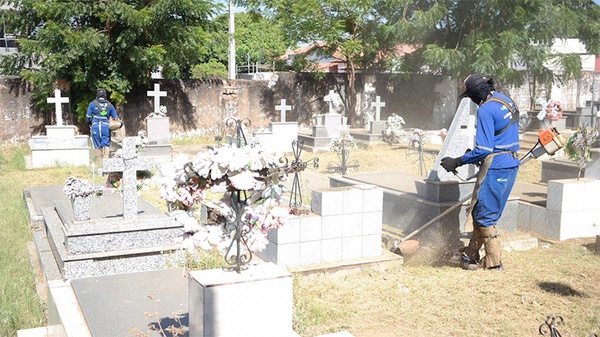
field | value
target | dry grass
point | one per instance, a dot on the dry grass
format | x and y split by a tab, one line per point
423	300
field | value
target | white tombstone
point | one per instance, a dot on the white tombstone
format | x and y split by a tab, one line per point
283	108
58	102
157	94
377	126
461	136
60	145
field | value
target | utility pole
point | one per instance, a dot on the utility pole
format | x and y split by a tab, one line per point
231	63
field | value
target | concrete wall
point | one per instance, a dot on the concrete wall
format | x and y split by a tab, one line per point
200	107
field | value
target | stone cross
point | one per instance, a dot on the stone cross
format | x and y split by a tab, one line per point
129	164
282	108
58	101
378	104
329	98
157	94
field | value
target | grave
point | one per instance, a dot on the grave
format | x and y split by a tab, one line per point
157	129
571	211
124	233
325	127
411	201
280	135
60	145
374	133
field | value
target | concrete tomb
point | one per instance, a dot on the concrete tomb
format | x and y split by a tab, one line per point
325	128
375	128
157	129
60	145
280	135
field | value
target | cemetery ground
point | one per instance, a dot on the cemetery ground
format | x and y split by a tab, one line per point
421	297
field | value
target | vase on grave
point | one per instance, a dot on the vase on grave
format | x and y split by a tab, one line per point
82	207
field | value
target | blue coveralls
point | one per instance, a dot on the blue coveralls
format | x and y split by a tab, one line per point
495	189
99	123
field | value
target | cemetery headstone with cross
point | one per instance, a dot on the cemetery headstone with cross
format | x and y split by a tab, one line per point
157	126
58	101
283	108
377	126
129	164
157	94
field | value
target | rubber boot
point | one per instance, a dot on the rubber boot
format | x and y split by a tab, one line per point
493	248
106	152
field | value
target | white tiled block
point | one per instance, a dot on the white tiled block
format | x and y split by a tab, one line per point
310	252
538	220
371	245
219	302
569	195
524	216
352	224
372	223
351	248
288	233
372	198
327	201
285	255
332	227
310	228
569	225
331	250
352	201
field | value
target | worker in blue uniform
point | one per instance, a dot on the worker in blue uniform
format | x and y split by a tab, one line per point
496	146
98	114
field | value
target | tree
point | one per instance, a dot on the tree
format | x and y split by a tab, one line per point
258	40
511	40
352	29
109	43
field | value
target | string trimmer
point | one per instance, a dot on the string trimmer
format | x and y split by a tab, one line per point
549	142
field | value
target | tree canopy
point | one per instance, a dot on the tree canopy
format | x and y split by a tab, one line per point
510	40
109	43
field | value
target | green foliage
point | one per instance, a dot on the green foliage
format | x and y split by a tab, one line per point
257	40
110	44
210	70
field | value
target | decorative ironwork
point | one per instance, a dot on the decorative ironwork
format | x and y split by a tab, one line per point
343	156
549	326
238	254
297	166
423	156
237	134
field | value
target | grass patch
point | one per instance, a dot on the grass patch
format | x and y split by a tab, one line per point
411	300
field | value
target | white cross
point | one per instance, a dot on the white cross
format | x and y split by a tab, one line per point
282	108
329	98
378	104
157	94
58	101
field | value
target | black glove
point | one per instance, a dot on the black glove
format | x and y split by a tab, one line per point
450	164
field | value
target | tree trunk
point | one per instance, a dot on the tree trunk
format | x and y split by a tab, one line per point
352	118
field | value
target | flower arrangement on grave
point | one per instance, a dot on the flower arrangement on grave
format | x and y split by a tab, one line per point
162	112
394	131
417	139
249	177
342	143
114	181
553	110
141	140
75	187
579	146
